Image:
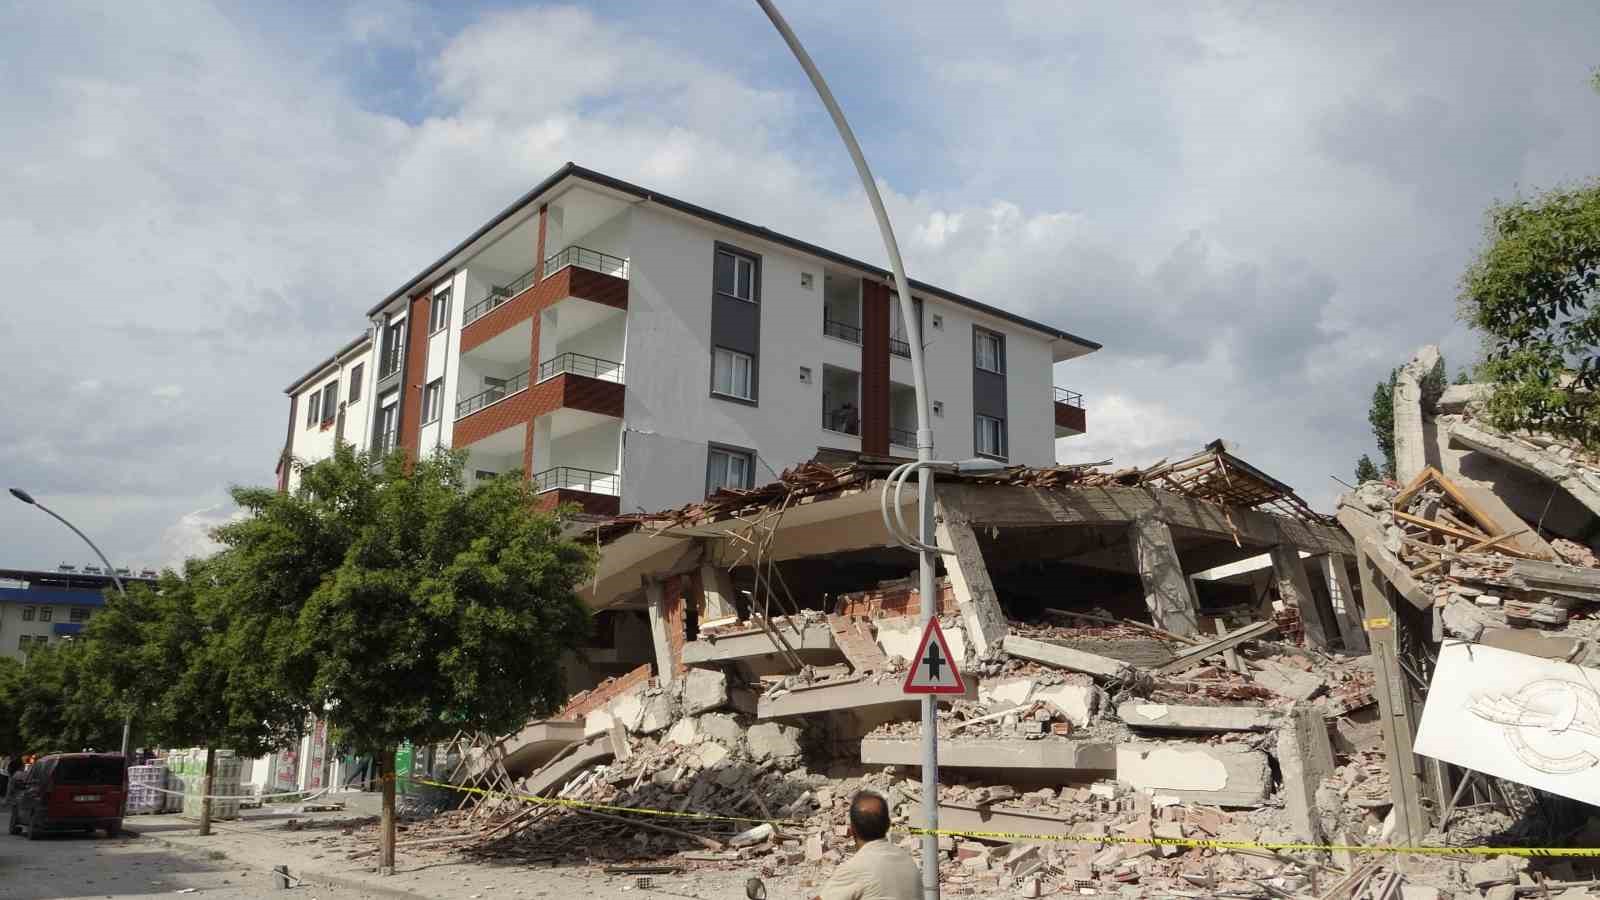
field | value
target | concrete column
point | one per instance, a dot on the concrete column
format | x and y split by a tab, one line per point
1295	589
980	607
1410	439
660	623
717	585
1345	611
1166	588
1394	706
1305	757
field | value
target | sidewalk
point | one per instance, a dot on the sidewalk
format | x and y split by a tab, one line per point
315	848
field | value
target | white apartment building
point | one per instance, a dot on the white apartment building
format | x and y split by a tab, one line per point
633	352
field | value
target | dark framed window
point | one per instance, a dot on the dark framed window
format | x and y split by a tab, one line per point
729	468
989	436
439	311
432	400
989	350
313	408
386	427
28	613
79	614
46	613
356	376
330	401
738	275
733	374
394	342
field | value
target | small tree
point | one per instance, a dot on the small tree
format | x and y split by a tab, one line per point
61	705
1532	291
425	609
1380	415
1366	471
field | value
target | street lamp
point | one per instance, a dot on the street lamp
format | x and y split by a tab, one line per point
25	497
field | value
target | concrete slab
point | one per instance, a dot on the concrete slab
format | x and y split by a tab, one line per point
1199	719
995	753
814	643
538	743
900	636
563	769
843	696
1197	773
1064	657
967	817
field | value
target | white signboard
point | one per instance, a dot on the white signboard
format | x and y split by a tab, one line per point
1530	720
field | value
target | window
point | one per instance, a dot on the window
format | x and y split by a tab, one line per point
727	468
386	428
45	613
394	341
24	641
28	613
989	351
732	374
313	408
991	436
330	401
736	275
356	376
484	475
439	312
432	396
79	614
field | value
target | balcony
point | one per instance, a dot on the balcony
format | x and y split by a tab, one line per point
904	437
584	258
841	330
596	493
899	347
498	295
841	401
1070	418
491	395
581	364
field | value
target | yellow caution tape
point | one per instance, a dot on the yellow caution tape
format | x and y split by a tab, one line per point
1014	836
1378	622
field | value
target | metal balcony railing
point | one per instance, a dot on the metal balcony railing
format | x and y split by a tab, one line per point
497	295
581	364
841	330
899	348
570	478
844	421
1070	398
389	362
584	258
905	437
514	385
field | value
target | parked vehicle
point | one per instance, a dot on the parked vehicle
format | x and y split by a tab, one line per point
69	791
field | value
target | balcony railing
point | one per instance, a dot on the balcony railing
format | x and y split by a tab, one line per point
497	295
584	258
388	362
515	385
1070	398
899	347
905	437
841	330
385	444
844	421
580	364
569	478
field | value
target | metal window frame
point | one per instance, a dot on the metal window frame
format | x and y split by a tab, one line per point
431	411
358	372
749	455
750	400
440	302
979	333
977	432
755	273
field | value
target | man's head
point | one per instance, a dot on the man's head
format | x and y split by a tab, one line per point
869	816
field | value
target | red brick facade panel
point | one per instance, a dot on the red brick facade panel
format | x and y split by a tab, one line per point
578	392
897	601
569	282
1068	416
874	368
516	409
416	369
676	595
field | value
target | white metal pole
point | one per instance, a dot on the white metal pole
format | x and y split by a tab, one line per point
925	558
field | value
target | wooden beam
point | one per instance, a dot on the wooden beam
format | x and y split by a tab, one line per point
1194	656
1394	706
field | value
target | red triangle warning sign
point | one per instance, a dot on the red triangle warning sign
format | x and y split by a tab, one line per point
933	669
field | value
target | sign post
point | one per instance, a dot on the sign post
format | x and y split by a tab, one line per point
933	672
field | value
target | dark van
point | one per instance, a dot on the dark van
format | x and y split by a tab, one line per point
69	791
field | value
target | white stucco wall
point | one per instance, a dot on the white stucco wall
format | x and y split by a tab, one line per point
313	442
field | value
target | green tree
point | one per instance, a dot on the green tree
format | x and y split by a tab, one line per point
1366	470
11	742
419	609
1380	415
1532	291
61	706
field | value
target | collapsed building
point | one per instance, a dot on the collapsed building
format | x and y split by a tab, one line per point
1155	658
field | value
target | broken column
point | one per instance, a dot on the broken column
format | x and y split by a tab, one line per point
1295	589
661	625
1167	591
1410	440
1305	757
717	585
1346	611
969	577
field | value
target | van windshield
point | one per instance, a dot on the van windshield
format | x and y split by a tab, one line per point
100	770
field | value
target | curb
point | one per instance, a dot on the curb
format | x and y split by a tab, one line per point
308	876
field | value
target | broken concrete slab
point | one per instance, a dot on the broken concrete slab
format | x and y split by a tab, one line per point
1197	773
538	743
1533	643
1076	702
704	690
1550	466
998	754
1457	397
841	696
754	648
1066	657
970	817
1166	717
769	740
562	769
1287	682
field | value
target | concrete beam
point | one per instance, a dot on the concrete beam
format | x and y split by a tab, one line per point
1197	773
538	743
1165	717
1410	440
1050	754
655	595
967	817
1346	612
1540	462
814	644
1368	538
844	696
1295	589
969	577
1166	589
1015	506
1065	657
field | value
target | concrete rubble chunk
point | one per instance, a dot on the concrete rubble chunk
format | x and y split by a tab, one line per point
839	696
1197	773
1305	758
771	741
1165	717
1065	657
1288	682
1464	620
722	728
1000	755
1410	439
704	690
1074	701
685	732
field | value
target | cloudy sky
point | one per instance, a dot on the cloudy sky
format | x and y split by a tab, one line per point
1258	208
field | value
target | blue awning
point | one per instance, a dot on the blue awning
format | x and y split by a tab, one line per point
60	628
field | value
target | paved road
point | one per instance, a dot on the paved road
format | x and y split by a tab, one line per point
70	865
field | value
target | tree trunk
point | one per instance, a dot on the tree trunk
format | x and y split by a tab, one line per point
205	799
386	833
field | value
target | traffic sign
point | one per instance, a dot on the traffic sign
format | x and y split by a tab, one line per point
933	669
